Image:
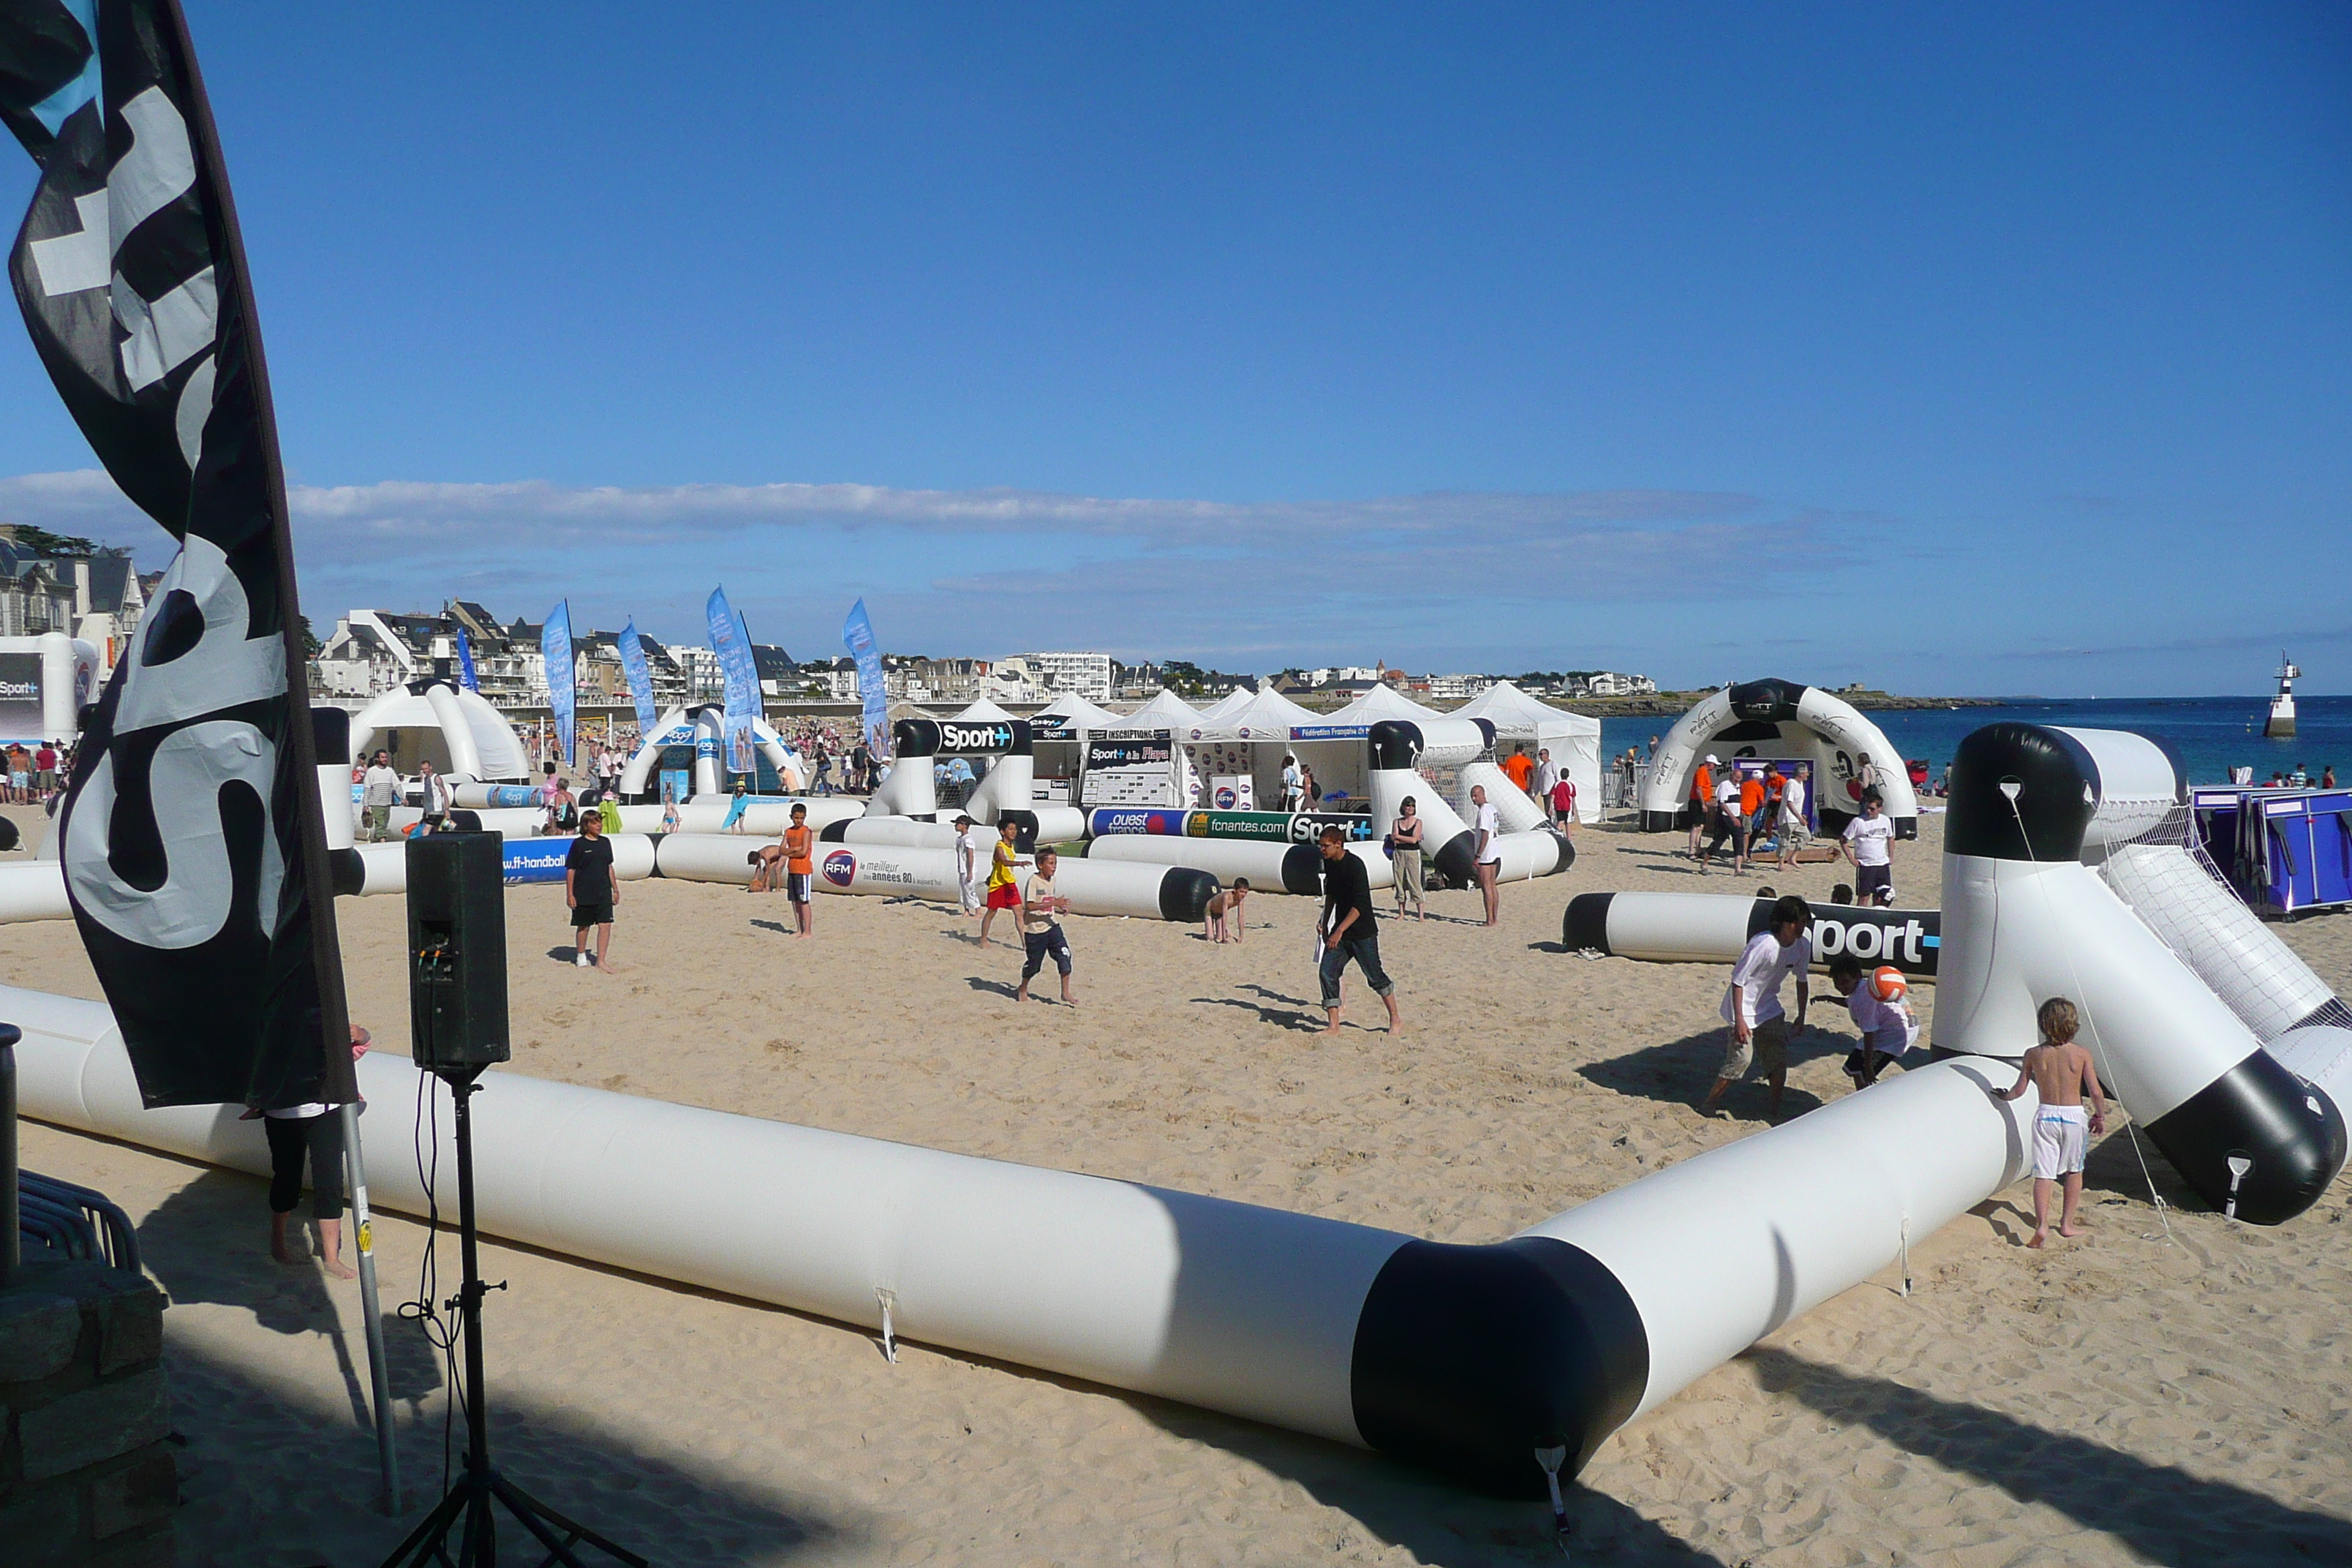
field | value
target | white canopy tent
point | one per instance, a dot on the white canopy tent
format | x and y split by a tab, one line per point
1380	704
1076	713
983	713
1574	739
1225	707
1166	710
1251	738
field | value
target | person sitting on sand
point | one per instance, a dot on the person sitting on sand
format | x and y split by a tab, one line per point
1751	1003
1223	905
1041	934
2061	1071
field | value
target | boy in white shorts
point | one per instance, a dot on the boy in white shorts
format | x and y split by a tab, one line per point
2061	1072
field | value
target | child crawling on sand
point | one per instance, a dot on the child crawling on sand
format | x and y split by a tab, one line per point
1887	1027
1224	906
2061	1072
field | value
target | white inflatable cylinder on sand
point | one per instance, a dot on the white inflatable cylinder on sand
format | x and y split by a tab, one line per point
383	868
1719	1250
897	832
1715	928
33	890
1270	867
1540	853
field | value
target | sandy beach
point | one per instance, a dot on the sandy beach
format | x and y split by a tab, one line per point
2127	1398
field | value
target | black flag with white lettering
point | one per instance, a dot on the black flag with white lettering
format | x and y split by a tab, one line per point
190	834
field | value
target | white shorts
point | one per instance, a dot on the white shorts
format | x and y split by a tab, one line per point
2062	1136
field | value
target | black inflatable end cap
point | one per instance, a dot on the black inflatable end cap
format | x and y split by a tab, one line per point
10	834
465	822
1302	870
835	832
1661	821
2259	1110
2054	800
1584	924
1906	828
349	871
915	738
1393	743
1184	895
330	735
1567	852
1454	861
1025	829
1468	1359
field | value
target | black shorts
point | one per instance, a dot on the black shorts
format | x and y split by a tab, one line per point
587	915
1041	945
1871	881
796	886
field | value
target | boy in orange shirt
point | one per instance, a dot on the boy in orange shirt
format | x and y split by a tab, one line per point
800	870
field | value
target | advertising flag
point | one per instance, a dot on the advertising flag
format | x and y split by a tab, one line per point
640	678
730	639
466	676
562	683
858	633
191	835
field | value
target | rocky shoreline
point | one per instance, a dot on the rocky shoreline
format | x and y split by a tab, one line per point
1674	704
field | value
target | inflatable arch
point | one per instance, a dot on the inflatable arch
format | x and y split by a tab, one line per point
1007	793
703	727
1783	721
454	728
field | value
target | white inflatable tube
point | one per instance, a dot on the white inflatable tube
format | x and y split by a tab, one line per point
1468	1359
33	890
1270	867
1518	810
1714	928
897	832
765	817
1540	853
383	868
1148	892
1719	1250
456	730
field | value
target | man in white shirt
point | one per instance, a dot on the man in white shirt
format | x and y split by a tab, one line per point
1869	841
1545	780
379	792
1795	828
1294	787
1725	824
1486	857
1751	1003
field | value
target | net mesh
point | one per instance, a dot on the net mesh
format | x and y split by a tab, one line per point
2163	874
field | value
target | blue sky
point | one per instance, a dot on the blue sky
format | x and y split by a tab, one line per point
1957	350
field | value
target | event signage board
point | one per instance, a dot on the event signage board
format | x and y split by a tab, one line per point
857	636
1907	940
1155	752
563	690
975	740
20	697
1329	731
1259	826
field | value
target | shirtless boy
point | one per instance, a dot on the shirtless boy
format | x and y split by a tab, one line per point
2061	1072
1226	904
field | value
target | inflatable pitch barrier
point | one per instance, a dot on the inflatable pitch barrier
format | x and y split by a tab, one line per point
1714	928
2239	1124
1269	867
1469	1360
1146	892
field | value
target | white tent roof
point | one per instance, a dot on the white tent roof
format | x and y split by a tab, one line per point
1380	704
1519	717
1267	716
1166	710
1225	707
1078	713
983	713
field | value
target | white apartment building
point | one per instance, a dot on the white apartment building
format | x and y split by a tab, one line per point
1061	673
1606	683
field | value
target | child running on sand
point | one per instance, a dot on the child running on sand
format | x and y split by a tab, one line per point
1223	905
2061	1072
1041	934
1006	859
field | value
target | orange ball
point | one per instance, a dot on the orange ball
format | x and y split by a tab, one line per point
1886	984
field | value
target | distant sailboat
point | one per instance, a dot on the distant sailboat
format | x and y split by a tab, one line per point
2281	724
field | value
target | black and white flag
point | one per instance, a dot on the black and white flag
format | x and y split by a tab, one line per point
191	875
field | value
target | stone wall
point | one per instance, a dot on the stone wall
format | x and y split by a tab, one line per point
86	1471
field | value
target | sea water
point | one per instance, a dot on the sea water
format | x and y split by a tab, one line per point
2211	734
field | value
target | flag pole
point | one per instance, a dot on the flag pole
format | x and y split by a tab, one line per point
338	1084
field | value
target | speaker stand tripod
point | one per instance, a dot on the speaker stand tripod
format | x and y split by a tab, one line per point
468	1505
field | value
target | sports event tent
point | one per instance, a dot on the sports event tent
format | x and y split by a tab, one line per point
1166	710
1574	738
1076	714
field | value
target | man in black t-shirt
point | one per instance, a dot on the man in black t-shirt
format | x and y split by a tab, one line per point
1349	931
590	888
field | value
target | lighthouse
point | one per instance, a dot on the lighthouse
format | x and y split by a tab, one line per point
2281	723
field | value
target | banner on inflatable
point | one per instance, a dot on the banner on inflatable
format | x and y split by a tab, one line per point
194	852
641	677
858	632
562	683
730	639
466	676
1254	827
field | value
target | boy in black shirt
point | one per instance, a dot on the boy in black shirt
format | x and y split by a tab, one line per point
1349	931
590	888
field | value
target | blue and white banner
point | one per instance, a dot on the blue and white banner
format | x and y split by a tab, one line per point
858	633
730	639
563	692
640	678
466	676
